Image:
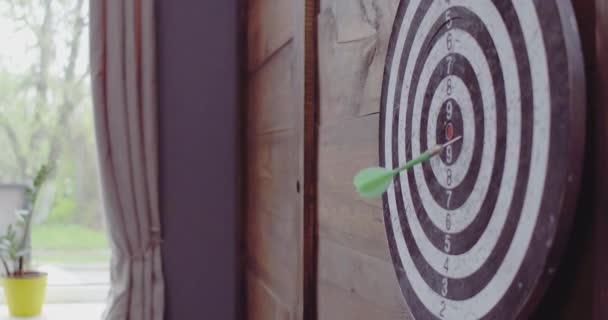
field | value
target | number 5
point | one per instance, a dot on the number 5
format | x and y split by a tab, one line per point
448	18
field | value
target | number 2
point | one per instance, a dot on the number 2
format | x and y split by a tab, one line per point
443	306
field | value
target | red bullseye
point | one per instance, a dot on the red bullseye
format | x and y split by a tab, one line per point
449	131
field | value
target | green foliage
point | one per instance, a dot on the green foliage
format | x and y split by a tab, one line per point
67	237
46	109
13	246
64	211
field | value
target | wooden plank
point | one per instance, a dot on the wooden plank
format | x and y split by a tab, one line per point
344	149
338	304
274	169
353	224
300	83
273	219
261	304
270	94
310	131
269	27
271	176
372	281
353	43
342	71
273	255
600	309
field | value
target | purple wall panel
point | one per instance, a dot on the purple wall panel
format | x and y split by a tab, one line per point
199	158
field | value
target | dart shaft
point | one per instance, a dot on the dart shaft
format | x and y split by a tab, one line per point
426	156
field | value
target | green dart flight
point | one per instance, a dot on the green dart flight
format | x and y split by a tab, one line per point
373	182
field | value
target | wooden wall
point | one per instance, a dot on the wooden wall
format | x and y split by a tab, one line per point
274	161
356	279
353	274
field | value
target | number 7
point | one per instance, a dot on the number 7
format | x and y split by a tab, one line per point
449	193
450	64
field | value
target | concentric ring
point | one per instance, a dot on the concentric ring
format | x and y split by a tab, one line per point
471	266
492	240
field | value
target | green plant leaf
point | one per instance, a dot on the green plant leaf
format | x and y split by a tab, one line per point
23	252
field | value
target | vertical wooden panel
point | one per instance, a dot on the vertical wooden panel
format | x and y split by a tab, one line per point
356	279
274	162
270	25
600	309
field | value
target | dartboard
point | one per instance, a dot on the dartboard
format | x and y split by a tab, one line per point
476	232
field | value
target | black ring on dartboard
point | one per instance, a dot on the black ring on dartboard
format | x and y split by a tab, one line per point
461	289
462	69
462	241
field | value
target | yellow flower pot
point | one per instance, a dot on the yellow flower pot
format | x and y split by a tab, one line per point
25	295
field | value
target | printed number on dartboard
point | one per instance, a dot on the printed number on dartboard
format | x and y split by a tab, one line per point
449	113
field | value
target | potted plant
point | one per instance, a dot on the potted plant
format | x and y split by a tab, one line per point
24	289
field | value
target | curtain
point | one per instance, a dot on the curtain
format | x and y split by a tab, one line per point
124	94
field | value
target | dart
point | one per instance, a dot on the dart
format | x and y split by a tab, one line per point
373	182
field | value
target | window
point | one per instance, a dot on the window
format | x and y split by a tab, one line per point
46	117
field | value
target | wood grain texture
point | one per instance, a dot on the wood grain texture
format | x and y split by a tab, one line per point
344	148
310	131
274	162
269	27
353	40
270	93
600	309
261	302
352	224
369	281
356	279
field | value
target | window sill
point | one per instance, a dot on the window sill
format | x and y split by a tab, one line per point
77	311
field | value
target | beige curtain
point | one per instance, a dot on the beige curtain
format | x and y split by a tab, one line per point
124	92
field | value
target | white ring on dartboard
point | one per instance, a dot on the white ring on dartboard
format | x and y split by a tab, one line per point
483	301
464	214
464	265
461	95
461	289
